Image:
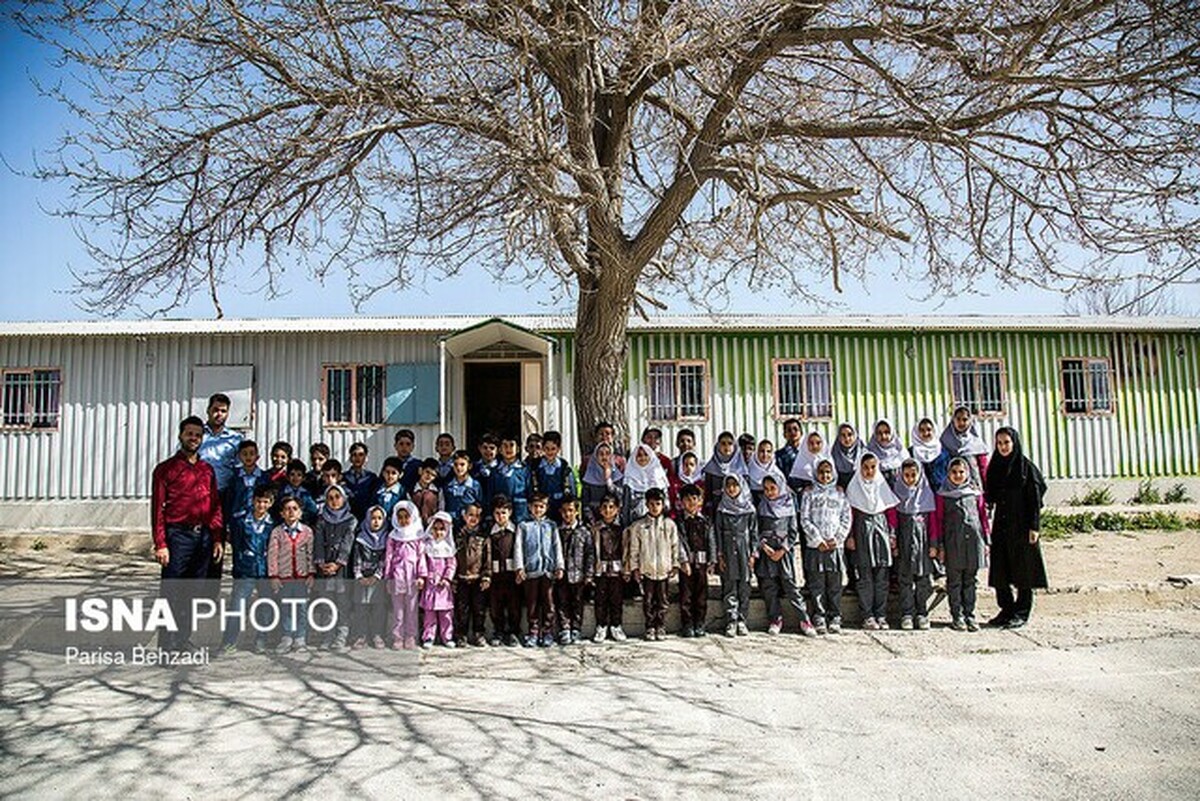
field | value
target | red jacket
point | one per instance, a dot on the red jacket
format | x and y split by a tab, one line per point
185	494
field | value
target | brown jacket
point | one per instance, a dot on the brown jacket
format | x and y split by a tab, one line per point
474	557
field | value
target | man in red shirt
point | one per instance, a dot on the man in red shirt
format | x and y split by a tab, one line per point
186	523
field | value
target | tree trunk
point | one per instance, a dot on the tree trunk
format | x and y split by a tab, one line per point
600	350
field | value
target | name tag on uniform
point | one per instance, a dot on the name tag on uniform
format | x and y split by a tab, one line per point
510	564
495	566
701	556
614	566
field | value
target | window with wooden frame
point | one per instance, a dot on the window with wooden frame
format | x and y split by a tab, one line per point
978	384
1086	386
678	390
804	388
354	394
32	398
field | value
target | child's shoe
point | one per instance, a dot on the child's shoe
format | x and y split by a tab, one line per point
807	629
922	623
650	636
377	642
512	641
618	633
731	630
359	644
882	623
575	636
397	645
906	623
451	644
494	640
775	627
820	627
600	635
564	637
547	639
260	645
972	625
958	624
426	644
300	644
530	641
742	628
410	644
285	645
835	626
870	624
700	631
687	632
477	640
229	648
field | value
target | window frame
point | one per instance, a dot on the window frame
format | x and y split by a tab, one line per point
705	391
1003	373
777	401
1089	401
30	427
353	422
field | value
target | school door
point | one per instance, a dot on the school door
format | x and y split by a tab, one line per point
492	399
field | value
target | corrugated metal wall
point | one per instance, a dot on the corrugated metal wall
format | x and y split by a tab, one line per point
125	396
1155	430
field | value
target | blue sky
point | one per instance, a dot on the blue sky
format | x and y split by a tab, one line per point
38	251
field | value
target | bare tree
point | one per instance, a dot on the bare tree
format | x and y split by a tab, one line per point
1139	298
626	147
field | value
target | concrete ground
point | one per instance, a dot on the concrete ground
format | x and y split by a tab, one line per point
1095	699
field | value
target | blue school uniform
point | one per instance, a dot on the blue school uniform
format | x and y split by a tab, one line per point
308	507
249	539
485	474
785	458
362	485
411	474
220	451
388	497
457	495
241	491
557	481
514	481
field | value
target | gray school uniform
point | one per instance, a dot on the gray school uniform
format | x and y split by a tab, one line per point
872	557
778	579
738	536
824	516
914	567
966	552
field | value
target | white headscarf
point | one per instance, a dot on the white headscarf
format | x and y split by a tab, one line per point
445	546
914	500
968	443
872	496
805	466
413	531
640	479
757	471
925	450
891	456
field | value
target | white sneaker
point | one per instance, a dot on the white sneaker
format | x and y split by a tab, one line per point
742	628
618	633
601	633
285	645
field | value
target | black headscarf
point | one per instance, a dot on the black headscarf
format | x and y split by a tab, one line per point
1015	470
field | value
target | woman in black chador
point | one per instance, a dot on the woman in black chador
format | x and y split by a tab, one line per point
1014	486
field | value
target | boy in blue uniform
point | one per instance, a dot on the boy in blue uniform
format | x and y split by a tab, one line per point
512	480
410	466
461	490
294	488
360	481
390	490
553	477
318	455
484	469
444	447
246	479
248	538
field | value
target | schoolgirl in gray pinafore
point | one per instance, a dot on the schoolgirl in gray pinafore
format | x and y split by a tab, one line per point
914	565
872	536
737	536
965	544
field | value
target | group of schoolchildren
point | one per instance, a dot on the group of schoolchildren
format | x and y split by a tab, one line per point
427	549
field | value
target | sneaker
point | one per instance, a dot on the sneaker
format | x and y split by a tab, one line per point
575	637
922	623
1016	623
870	625
229	648
835	626
883	624
339	645
450	644
426	644
775	627
820	626
494	641
617	633
477	641
512	641
564	638
906	623
700	631
807	629
687	632
547	639
958	624
650	636
731	630
285	645
300	644
377	642
600	635
359	644
972	625
530	641
742	628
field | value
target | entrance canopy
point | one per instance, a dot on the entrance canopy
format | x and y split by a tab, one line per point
493	332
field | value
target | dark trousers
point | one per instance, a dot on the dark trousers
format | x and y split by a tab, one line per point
960	592
610	600
872	592
654	602
190	559
1021	606
825	589
470	603
914	594
568	599
781	589
539	605
506	604
369	611
693	598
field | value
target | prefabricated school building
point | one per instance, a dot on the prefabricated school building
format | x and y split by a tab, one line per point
90	407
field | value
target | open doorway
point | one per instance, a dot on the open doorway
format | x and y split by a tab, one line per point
492	400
